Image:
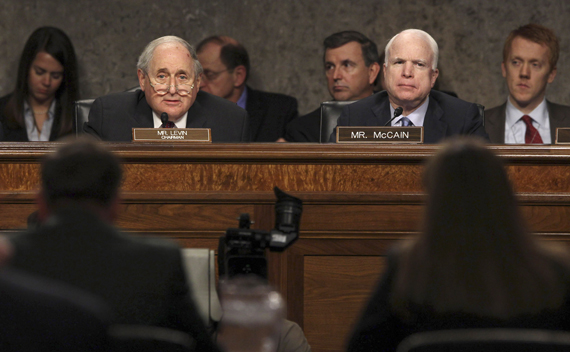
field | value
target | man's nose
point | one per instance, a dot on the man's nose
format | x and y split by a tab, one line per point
337	73
408	70
525	71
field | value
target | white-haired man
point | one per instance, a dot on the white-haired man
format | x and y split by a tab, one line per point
410	72
169	78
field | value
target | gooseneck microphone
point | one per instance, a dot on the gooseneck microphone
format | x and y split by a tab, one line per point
164	118
397	112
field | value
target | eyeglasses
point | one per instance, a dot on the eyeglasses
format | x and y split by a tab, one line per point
161	87
212	75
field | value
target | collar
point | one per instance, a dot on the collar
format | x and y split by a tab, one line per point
180	123
243	98
513	115
417	117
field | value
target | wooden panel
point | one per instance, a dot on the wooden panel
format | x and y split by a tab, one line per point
336	288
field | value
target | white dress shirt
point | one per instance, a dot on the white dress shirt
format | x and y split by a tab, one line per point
515	127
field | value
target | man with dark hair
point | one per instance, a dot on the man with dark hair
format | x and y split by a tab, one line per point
226	70
529	62
141	279
169	78
352	69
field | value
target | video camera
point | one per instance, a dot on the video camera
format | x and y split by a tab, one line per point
242	250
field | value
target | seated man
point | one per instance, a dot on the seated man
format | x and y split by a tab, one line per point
352	70
141	278
226	70
169	77
410	72
530	55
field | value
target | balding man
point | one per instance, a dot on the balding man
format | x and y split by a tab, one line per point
226	70
169	78
410	72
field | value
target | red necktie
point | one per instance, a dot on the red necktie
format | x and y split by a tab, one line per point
170	124
531	136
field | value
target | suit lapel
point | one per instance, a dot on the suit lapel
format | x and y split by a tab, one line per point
143	113
434	127
196	116
380	110
495	124
558	118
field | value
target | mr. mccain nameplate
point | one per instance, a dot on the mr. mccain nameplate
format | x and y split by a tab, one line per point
352	134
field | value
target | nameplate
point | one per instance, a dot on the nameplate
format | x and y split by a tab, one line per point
563	135
388	134
193	135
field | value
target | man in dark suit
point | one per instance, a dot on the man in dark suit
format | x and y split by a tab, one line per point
352	70
169	77
529	62
141	278
42	315
226	70
410	72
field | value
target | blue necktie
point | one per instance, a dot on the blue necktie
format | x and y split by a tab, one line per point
406	122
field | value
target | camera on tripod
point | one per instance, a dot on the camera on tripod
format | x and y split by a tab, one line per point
242	250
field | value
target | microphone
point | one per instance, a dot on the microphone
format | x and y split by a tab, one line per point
397	112
164	118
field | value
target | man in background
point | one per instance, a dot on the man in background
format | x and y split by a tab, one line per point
141	278
226	71
529	62
352	70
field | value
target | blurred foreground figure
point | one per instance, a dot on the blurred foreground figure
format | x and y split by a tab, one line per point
474	265
141	278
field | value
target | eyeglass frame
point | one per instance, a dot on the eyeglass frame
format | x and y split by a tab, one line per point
170	85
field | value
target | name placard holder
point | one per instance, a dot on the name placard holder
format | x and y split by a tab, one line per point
379	134
563	135
188	135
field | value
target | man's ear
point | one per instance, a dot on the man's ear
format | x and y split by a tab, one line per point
239	76
141	75
434	76
373	71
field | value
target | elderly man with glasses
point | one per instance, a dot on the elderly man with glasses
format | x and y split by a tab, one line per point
169	78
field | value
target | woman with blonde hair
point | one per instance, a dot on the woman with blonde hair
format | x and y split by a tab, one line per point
473	266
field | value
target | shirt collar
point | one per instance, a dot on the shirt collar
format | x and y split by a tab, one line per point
417	117
180	123
243	98
539	114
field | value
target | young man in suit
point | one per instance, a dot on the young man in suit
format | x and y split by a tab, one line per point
169	78
529	62
226	70
410	72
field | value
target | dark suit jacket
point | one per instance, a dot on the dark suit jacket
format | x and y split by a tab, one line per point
141	278
113	116
43	316
446	116
495	120
269	114
306	128
11	133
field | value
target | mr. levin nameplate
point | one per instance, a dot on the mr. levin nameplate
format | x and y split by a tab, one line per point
193	135
563	135
388	134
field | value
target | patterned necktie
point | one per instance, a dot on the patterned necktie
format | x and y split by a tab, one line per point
531	135
168	124
406	122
